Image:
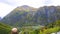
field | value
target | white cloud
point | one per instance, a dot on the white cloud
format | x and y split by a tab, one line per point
52	2
6	6
10	2
33	3
56	2
5	9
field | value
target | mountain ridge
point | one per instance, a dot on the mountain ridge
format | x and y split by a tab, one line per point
25	7
40	16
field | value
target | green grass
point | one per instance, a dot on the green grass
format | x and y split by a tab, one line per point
4	29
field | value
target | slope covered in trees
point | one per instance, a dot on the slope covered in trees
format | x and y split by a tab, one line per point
27	16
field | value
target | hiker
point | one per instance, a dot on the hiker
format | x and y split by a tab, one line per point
14	31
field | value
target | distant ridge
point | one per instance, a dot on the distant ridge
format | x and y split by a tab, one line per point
0	18
26	7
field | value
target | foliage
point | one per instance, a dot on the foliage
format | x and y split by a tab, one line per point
4	29
49	17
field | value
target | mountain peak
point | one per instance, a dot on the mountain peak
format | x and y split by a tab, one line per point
25	6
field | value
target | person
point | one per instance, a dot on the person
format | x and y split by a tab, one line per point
14	31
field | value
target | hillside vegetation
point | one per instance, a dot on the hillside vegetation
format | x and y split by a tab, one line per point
4	29
29	20
26	15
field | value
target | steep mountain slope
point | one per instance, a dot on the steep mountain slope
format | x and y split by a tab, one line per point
26	15
46	14
20	15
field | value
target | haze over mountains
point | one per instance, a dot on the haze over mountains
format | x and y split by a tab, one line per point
0	18
26	15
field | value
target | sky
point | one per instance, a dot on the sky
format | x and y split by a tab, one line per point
6	6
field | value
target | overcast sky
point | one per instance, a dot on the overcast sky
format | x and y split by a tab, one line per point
6	6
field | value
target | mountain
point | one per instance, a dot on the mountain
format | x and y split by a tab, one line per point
28	16
20	16
0	18
46	14
25	7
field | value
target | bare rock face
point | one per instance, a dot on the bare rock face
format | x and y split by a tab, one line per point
14	31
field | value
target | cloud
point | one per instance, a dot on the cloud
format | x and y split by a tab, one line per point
10	2
47	2
7	6
33	3
52	2
56	2
5	9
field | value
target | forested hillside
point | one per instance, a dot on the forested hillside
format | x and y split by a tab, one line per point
28	16
29	20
